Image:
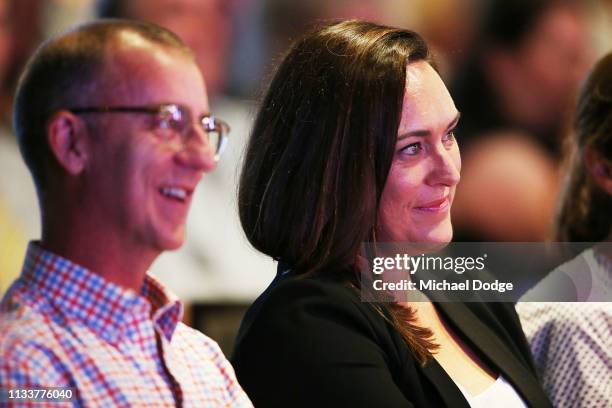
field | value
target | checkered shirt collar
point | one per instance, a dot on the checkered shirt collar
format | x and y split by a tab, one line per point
108	309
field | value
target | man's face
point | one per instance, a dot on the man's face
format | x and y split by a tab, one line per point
137	185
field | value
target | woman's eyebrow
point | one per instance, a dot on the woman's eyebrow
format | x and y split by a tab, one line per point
427	132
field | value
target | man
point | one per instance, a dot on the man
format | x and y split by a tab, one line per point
208	274
113	122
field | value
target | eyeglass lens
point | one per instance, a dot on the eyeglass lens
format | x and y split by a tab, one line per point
178	119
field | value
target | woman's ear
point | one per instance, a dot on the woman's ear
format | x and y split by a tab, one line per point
599	168
67	141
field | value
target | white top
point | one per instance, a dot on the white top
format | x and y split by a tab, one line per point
500	394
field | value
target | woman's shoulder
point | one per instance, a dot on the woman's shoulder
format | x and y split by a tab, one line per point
297	290
315	333
293	302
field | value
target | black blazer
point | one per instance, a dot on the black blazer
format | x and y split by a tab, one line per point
311	342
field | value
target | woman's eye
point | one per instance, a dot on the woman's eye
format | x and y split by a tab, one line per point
412	149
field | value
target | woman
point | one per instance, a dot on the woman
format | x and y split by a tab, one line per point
354	143
571	342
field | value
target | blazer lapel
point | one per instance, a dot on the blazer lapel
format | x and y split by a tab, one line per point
494	351
448	390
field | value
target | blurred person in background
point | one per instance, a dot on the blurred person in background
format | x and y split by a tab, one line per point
288	20
515	93
212	262
9	232
18	205
572	342
447	25
24	25
204	25
6	51
600	21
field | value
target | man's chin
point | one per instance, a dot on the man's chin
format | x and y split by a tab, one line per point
173	246
172	242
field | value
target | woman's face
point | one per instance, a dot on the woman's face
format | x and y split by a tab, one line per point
416	200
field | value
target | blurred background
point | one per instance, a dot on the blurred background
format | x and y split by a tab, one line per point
513	67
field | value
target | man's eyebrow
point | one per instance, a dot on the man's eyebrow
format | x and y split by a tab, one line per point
427	132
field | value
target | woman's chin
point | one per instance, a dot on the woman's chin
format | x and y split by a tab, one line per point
419	240
425	243
435	239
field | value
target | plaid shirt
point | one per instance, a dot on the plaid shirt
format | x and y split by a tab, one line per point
64	326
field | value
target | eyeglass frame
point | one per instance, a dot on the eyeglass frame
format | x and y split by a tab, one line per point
211	121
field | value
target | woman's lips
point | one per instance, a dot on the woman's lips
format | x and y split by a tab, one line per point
435	206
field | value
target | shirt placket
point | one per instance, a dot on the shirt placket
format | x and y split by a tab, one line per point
159	390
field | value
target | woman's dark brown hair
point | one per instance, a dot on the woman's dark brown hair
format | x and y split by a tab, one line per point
321	149
585	211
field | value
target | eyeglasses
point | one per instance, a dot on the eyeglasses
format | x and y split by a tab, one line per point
172	122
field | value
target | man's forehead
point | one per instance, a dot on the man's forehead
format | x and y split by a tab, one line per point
131	39
134	62
136	65
129	42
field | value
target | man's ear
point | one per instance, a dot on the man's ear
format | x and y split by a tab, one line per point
67	141
599	168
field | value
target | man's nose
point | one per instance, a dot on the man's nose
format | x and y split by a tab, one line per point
197	152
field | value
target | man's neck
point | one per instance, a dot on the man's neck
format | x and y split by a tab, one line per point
117	263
